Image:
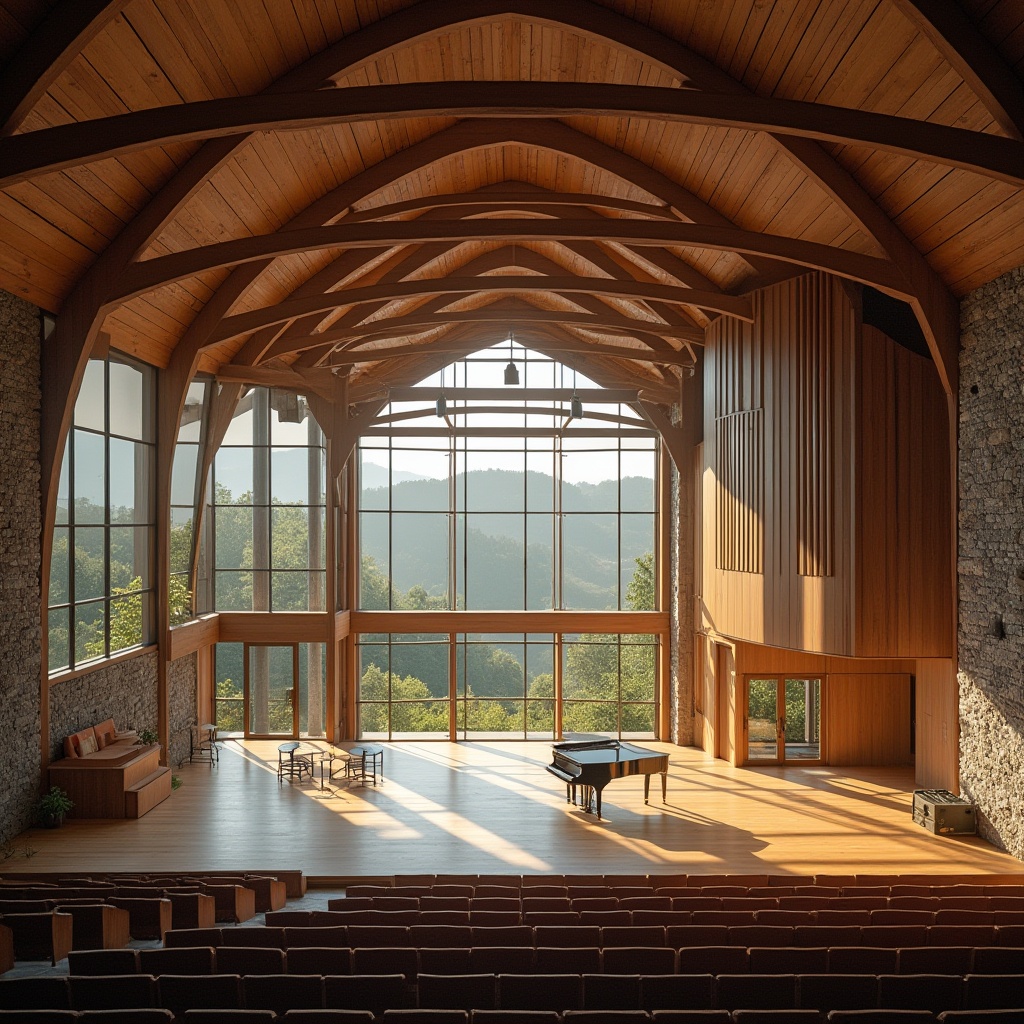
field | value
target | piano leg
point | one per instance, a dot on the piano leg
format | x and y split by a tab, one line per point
664	787
647	788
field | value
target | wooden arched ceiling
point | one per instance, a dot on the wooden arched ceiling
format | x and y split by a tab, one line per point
272	190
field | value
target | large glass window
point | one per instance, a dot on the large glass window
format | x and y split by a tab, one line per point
268	508
101	598
480	498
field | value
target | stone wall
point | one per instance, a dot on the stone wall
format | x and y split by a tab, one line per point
125	691
991	558
20	623
181	687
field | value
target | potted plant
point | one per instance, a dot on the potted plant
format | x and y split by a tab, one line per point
53	806
147	736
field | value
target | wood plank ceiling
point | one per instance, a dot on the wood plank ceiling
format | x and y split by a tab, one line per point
304	184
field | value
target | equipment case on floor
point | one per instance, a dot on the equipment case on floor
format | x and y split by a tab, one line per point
941	812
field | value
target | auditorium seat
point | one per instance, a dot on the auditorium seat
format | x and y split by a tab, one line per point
514	959
454	960
247	960
934	960
611	991
894	935
787	959
512	935
633	935
776	1017
694	935
713	960
105	961
281	992
934	992
311	936
192	937
574	935
459	992
46	936
141	1015
439	935
515	1017
540	992
40	1016
690	1016
318	960
327	1017
253	935
112	992
886	1016
370	935
825	991
565	960
992	992
182	992
998	960
234	1016
605	1017
387	960
639	960
46	992
755	991
289	918
424	1016
982	1017
374	992
862	960
147	918
761	935
677	992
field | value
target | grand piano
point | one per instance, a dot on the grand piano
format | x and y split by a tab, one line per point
592	764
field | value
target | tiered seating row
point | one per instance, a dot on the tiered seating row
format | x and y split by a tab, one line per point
411	962
324	933
46	921
817	994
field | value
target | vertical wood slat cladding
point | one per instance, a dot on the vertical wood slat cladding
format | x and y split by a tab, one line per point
902	504
937	699
740	492
795	362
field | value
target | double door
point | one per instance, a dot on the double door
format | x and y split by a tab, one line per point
271	682
782	720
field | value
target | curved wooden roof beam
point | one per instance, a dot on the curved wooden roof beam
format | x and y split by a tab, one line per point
154	273
34	154
65	31
412	323
245	323
972	57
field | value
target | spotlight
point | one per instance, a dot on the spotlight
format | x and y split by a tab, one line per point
511	371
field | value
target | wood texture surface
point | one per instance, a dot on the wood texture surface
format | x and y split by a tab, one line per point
492	808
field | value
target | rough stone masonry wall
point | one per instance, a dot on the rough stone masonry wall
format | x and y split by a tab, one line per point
125	691
20	650
181	690
991	558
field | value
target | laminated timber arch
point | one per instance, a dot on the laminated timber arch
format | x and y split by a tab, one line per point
395	270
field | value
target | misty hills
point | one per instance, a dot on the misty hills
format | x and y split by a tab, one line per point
503	559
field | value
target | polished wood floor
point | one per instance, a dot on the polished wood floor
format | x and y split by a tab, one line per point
492	808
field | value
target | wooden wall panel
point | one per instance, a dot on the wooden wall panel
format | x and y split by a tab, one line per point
937	725
752	659
867	717
797	361
740	491
903	502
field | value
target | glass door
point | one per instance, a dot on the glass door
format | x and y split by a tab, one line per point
271	680
782	720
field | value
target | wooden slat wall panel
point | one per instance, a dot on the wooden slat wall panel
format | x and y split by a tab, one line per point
937	712
903	505
867	717
772	362
755	658
740	492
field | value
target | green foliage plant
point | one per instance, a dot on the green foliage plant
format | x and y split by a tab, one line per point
52	806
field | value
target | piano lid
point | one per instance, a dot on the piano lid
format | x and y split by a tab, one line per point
602	751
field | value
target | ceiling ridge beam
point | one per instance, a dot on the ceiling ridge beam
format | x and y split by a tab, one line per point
33	154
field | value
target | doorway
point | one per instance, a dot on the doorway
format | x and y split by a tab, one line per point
782	720
271	679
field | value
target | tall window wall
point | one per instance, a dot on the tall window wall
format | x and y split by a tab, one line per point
266	544
504	503
101	599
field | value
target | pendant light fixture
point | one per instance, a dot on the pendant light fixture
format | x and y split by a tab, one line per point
575	403
441	405
511	371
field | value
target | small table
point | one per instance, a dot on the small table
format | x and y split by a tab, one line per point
292	762
365	761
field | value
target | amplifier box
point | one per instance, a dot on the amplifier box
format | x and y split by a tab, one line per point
941	812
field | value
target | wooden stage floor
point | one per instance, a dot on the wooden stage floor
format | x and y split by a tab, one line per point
490	808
